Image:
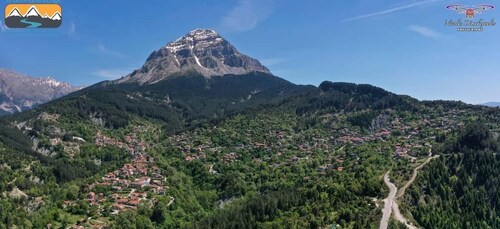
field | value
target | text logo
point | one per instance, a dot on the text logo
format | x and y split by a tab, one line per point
33	15
471	23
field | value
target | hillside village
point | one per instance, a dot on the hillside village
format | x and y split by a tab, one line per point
137	182
140	181
410	139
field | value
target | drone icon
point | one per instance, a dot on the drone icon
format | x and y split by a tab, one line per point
470	11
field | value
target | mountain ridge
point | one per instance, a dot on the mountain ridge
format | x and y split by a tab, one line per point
203	51
21	92
491	104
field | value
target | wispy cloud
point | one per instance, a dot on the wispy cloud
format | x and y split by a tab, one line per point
247	15
426	32
112	73
281	72
391	10
272	61
3	27
71	30
106	51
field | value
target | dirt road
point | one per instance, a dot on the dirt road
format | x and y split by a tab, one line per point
172	199
399	217
388	202
402	191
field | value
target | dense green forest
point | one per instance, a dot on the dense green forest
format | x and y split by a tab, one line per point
461	189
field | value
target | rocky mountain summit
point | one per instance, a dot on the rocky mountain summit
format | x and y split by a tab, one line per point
201	51
19	92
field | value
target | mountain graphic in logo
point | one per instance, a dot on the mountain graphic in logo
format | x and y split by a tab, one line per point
33	15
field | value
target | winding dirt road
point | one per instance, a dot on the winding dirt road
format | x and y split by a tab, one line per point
390	203
402	191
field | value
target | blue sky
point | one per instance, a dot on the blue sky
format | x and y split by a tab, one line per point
400	45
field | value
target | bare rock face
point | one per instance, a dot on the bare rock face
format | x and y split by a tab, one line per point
19	92
202	51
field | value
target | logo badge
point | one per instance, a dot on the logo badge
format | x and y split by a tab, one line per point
470	12
33	15
472	21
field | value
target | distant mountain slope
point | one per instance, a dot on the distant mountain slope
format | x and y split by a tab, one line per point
19	92
492	104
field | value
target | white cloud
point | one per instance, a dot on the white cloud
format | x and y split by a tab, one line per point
388	11
247	15
106	51
111	73
272	61
426	32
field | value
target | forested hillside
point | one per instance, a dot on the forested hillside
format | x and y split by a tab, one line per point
179	101
226	155
461	189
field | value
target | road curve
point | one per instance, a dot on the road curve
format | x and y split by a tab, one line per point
402	190
388	202
395	207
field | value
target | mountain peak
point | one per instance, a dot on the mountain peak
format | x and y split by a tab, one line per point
202	51
197	35
20	92
56	16
33	11
195	39
15	13
201	33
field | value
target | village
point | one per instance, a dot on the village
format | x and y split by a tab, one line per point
410	140
137	182
130	185
141	181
